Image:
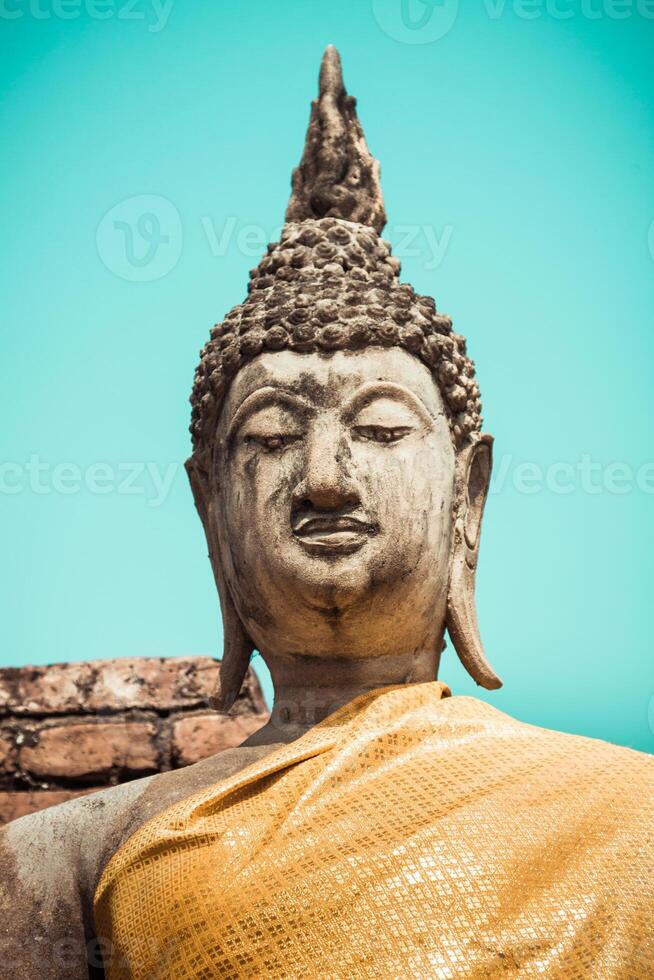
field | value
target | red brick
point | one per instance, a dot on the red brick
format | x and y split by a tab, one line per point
95	722
162	683
79	751
198	736
154	683
6	694
7	753
19	804
47	690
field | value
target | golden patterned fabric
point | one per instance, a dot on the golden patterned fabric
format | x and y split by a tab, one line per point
410	834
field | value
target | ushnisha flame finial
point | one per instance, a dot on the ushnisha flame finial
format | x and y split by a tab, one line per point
337	176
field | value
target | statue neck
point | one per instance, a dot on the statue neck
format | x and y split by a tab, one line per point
308	689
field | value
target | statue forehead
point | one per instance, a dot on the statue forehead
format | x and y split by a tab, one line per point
328	380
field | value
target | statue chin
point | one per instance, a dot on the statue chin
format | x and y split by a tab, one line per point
326	601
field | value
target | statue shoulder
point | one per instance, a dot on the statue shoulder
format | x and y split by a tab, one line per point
45	931
107	819
47	863
51	862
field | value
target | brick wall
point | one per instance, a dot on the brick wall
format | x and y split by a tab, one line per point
69	729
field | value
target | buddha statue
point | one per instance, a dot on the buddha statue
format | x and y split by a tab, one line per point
377	825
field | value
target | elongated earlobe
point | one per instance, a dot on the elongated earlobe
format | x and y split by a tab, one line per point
237	646
473	478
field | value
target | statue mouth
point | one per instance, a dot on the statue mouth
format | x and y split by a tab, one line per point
332	534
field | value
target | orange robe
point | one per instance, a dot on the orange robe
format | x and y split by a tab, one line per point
410	834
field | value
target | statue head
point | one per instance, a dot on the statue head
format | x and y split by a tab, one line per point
338	463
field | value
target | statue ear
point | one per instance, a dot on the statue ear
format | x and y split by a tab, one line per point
474	465
237	646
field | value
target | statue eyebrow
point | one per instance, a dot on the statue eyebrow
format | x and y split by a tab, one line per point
387	389
262	398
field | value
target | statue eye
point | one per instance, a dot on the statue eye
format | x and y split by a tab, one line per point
382	433
273	443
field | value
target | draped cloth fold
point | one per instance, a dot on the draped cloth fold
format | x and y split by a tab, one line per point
409	834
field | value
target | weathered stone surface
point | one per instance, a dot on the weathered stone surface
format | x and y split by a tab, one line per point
198	736
93	750
322	184
14	805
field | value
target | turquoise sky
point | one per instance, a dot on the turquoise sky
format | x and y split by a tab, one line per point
146	156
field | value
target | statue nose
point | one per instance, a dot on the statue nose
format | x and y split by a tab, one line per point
327	483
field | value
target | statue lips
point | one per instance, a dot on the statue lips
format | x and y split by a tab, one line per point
332	534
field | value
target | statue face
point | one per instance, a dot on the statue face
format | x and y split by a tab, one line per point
332	502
